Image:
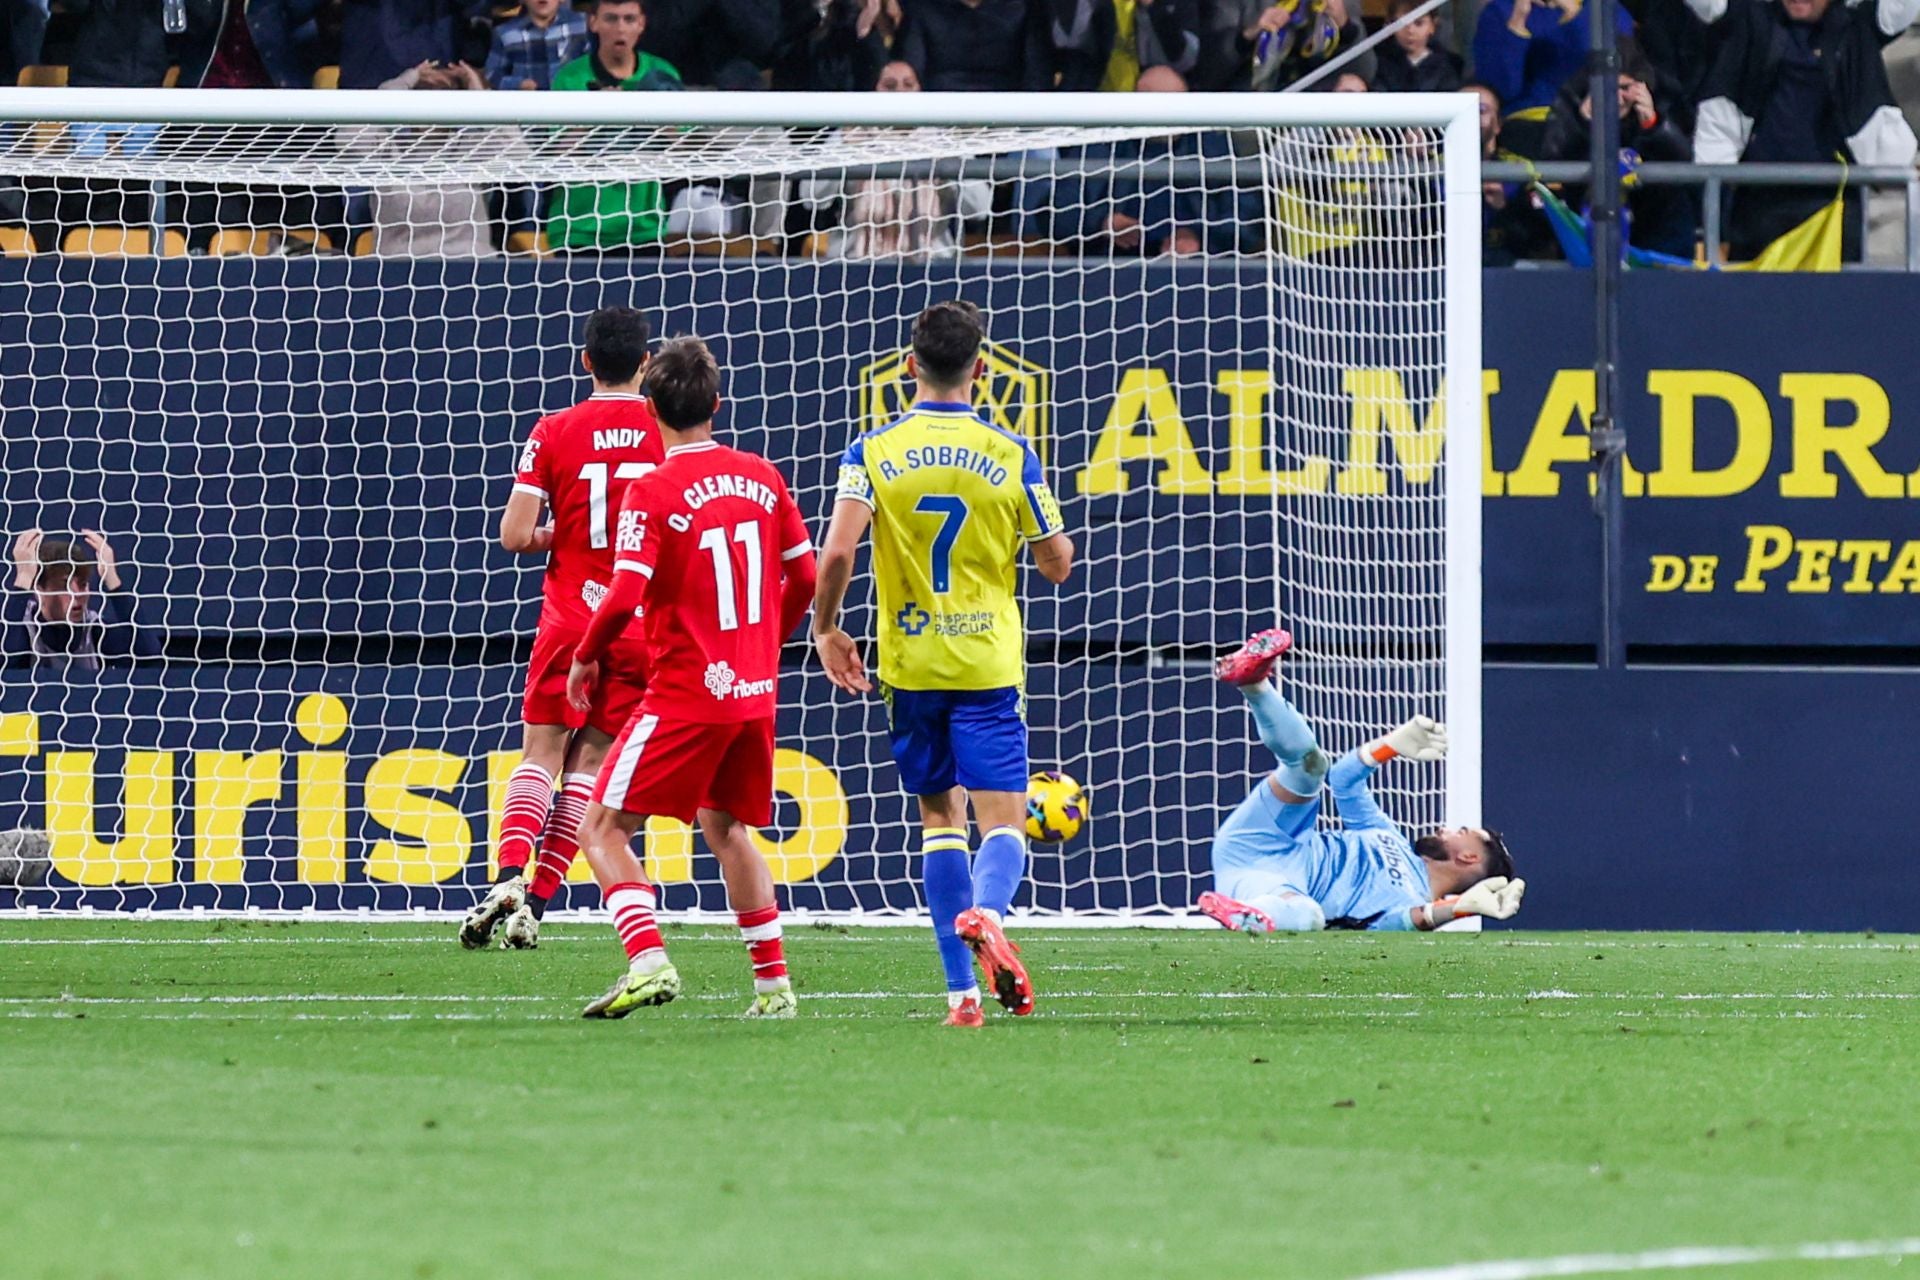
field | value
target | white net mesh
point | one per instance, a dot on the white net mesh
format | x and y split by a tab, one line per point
286	372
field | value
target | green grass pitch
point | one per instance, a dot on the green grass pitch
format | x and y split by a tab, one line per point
237	1099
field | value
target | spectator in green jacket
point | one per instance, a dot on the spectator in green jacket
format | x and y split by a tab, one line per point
615	215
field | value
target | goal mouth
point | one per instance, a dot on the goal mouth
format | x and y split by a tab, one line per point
286	365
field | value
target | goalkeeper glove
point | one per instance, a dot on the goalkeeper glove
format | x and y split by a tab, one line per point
1495	897
1421	738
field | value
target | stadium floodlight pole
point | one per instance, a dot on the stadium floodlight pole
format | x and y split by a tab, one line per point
1606	440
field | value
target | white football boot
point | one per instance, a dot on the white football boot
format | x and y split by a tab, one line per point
522	932
503	899
778	1003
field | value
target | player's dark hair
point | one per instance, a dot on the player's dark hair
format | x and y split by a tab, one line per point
683	381
63	563
946	341
616	343
1499	861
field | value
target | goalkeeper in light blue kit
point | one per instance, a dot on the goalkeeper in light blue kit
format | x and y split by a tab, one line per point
1273	869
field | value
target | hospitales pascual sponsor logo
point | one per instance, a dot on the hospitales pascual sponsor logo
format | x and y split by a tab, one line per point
1014	394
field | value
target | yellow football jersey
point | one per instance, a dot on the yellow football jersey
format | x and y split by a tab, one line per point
952	497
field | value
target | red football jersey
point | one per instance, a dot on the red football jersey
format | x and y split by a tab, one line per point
581	461
711	529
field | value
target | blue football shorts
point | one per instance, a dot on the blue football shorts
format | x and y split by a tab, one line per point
973	738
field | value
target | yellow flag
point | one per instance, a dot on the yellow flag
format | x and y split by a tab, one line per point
1814	245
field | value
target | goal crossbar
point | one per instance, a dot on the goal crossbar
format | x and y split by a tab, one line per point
801	110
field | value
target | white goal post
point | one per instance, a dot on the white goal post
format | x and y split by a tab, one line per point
281	350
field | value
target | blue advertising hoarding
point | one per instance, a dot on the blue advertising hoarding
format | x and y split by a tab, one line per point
1775	463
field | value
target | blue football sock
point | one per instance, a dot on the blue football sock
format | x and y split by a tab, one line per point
949	892
1287	734
999	868
1284	730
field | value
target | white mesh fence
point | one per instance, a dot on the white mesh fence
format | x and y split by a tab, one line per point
285	370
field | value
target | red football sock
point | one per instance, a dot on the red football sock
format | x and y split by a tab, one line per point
562	839
760	930
529	796
632	907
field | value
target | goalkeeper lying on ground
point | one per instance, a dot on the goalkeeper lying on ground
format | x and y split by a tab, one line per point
1272	869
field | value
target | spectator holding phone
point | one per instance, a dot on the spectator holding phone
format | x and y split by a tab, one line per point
1525	51
380	39
1663	218
71	609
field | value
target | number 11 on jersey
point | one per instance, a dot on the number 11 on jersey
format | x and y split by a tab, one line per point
714	543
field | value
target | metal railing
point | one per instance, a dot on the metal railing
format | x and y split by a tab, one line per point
1250	171
1714	179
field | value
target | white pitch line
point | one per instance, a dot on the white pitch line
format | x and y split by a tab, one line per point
343	997
905	933
1681	1259
604	938
808	1014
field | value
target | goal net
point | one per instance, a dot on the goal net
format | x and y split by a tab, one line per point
268	375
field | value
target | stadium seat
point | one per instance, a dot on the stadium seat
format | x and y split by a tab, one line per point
718	247
230	242
42	77
363	244
121	242
307	235
533	242
327	78
16	242
172	79
982	244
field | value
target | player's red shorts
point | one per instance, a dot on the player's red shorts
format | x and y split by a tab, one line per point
623	679
673	767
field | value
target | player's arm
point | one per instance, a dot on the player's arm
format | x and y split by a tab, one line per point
1496	897
1054	557
852	514
1042	524
627	596
636	550
798	570
1420	738
520	527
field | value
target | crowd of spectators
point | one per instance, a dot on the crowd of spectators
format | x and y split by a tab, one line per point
1714	80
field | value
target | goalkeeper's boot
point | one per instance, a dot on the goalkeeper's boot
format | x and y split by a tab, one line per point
778	1003
523	930
966	1014
999	959
1237	916
1254	661
635	990
504	897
